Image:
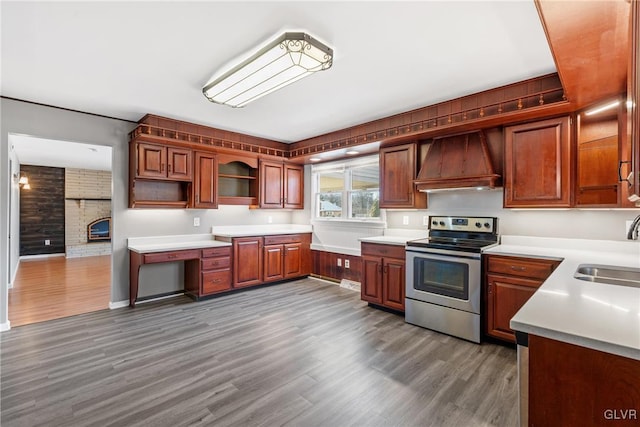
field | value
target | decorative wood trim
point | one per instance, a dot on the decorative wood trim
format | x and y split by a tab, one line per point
533	95
530	99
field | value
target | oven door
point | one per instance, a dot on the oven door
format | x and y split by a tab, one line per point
449	280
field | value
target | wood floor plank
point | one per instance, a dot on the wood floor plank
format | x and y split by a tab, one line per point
301	353
52	288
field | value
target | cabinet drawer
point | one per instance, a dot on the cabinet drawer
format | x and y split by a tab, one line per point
381	250
212	252
216	263
282	239
171	256
216	281
522	267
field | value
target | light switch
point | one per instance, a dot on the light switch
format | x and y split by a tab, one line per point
196	221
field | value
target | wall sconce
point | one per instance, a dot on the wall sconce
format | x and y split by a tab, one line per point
22	180
281	62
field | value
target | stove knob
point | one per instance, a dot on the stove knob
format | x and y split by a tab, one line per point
487	225
434	222
478	225
442	223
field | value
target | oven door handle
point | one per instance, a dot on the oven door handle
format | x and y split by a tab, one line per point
435	254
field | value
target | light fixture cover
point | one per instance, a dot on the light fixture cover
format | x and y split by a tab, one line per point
23	179
283	61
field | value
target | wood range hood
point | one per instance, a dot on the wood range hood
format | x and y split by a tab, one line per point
458	162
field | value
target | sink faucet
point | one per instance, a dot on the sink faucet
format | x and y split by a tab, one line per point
633	230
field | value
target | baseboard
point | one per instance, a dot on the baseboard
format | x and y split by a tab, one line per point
42	256
324	279
5	326
118	304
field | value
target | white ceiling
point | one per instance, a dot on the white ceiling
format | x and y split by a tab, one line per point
60	154
126	59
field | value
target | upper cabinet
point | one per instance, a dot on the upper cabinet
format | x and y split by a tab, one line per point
603	160
281	185
205	183
237	180
163	162
398	168
538	164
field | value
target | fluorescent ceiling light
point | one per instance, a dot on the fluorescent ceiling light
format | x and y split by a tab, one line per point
283	61
603	108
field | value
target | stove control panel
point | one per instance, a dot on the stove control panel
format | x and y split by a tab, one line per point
463	223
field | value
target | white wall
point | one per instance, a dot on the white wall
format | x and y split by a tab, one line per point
14	232
602	224
40	121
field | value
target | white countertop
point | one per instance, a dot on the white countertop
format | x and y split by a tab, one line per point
593	315
173	243
259	230
396	236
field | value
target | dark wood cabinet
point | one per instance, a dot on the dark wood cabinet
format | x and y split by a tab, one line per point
281	185
215	267
603	388
205	186
538	164
286	256
163	162
509	283
247	261
603	157
237	180
398	169
265	259
383	275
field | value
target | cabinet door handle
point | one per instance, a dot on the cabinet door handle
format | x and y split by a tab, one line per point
386	269
518	268
217	281
162	167
620	163
172	256
169	167
490	290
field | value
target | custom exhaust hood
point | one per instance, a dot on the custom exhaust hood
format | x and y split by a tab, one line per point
457	162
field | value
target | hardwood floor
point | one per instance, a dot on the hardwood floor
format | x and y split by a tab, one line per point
51	288
301	353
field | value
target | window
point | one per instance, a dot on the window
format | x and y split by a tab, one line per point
347	190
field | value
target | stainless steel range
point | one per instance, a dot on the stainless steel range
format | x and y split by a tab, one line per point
444	275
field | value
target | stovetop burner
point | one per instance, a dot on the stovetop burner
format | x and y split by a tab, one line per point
466	234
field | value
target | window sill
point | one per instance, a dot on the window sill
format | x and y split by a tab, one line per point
358	223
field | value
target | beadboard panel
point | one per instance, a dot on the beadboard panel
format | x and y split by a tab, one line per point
42	211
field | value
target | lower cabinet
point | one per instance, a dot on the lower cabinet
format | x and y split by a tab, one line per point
259	260
247	261
383	275
509	283
210	273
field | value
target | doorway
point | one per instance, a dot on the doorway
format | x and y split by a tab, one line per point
59	271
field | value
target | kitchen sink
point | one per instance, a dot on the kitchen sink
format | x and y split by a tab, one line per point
611	274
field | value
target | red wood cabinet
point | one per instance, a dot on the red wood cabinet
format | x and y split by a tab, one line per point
383	275
509	283
247	261
215	267
538	164
163	162
205	186
398	169
281	185
259	260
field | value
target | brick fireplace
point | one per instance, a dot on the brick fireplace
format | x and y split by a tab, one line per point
87	200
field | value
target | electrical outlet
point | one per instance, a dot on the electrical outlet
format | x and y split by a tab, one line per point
346	263
425	220
405	220
269	219
196	222
339	262
47	242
